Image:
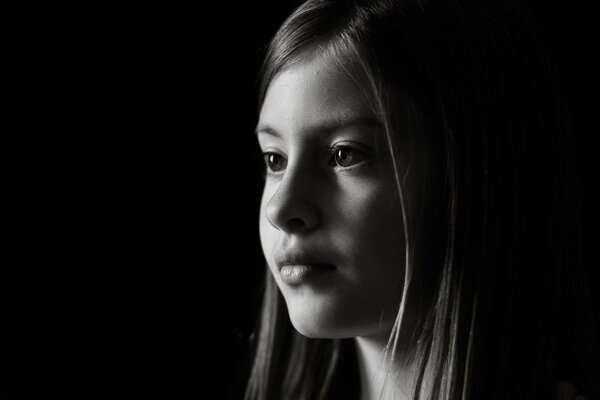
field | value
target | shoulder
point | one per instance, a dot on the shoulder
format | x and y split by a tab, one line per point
566	391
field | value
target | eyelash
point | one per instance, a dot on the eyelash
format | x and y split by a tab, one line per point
362	156
332	161
267	168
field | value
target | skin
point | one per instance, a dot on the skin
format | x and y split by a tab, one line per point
330	195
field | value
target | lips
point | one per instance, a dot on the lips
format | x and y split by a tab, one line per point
300	258
297	267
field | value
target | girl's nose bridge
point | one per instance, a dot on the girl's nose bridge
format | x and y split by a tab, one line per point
306	166
298	178
296	197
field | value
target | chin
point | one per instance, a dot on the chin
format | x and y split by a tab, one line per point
312	330
316	323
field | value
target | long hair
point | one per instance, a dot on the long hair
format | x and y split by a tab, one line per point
469	97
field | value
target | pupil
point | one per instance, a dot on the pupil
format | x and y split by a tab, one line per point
343	157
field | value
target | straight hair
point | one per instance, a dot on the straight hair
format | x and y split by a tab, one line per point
468	95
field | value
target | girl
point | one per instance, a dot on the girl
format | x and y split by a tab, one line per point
418	217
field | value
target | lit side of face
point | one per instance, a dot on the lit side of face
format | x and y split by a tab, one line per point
330	218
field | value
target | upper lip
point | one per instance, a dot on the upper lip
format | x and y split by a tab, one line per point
298	257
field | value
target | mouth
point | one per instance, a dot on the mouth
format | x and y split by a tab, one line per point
299	273
303	264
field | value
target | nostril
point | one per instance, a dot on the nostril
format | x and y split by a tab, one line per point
295	223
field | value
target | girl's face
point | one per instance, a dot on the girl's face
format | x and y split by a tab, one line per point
330	218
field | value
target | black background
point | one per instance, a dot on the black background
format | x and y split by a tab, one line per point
133	265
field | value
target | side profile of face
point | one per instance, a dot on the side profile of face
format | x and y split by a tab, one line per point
330	217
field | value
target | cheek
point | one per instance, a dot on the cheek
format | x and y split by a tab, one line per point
268	234
384	235
375	239
383	247
264	229
375	219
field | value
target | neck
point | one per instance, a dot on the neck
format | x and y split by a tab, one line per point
381	379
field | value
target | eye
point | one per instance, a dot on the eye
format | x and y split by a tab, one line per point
346	157
275	162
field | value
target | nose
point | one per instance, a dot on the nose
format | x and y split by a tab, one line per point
293	208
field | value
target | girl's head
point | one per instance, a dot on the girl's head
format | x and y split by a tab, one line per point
417	161
332	210
331	219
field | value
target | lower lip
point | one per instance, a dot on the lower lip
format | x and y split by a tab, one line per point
298	274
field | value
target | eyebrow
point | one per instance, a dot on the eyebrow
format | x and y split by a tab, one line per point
328	126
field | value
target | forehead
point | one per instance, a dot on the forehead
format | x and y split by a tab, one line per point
311	93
